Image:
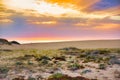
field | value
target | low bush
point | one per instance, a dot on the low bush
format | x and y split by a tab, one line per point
102	66
19	63
42	58
57	75
3	70
60	76
74	67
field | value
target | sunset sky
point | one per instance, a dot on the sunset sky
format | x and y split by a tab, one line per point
59	20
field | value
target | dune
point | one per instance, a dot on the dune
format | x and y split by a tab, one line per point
91	44
100	64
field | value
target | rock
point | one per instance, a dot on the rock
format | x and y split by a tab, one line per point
114	61
86	71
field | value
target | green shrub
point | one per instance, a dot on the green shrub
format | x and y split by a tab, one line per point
86	61
106	59
66	77
102	66
104	51
19	63
40	58
30	78
29	63
57	75
70	50
89	59
43	62
118	51
82	55
74	67
3	70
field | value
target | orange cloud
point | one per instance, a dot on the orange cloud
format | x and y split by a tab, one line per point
96	24
58	9
5	17
115	17
109	26
77	4
53	8
5	21
44	22
4	14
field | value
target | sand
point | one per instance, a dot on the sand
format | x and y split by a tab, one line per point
56	45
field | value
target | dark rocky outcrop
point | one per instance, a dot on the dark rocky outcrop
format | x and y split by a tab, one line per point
15	42
4	41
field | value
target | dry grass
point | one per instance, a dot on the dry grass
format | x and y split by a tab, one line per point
35	60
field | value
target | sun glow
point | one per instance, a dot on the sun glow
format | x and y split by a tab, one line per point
19	4
54	9
42	7
47	22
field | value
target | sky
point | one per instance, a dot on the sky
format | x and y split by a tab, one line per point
29	21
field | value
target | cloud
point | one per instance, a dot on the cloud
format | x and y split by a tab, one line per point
53	8
5	14
77	4
115	17
5	21
76	23
107	26
43	22
111	11
74	12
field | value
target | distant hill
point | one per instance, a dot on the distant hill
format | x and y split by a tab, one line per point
14	42
6	42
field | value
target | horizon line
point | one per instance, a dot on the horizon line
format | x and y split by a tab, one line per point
52	41
55	41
